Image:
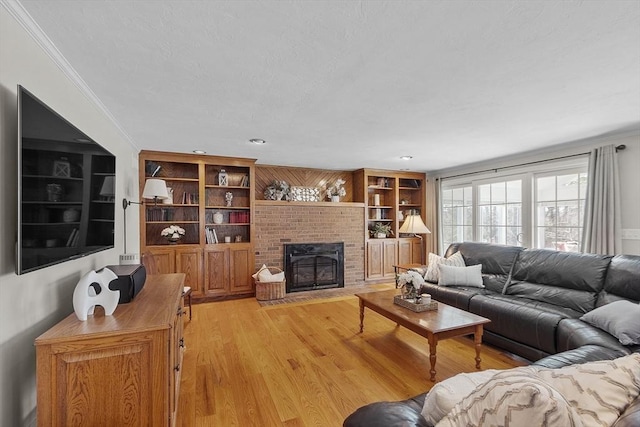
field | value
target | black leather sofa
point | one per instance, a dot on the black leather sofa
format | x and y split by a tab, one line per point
534	298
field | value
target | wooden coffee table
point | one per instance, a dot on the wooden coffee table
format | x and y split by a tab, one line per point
445	322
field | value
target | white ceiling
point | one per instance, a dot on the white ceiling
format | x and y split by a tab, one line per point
346	84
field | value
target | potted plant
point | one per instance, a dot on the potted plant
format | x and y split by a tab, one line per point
335	191
410	283
381	230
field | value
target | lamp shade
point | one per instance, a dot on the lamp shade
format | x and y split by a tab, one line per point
155	189
108	186
413	225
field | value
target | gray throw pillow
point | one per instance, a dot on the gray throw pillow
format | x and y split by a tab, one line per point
619	318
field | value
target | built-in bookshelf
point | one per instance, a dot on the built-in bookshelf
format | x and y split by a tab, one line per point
211	198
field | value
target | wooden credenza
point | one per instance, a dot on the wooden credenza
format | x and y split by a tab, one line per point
119	370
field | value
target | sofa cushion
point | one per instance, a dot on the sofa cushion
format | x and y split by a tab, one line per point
534	325
619	318
432	274
582	272
511	398
460	276
562	278
622	280
446	394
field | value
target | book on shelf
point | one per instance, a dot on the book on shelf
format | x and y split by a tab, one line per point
159	214
245	181
211	235
189	198
72	236
238	217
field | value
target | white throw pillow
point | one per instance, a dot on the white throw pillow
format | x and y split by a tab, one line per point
432	273
512	399
444	395
278	277
265	276
619	318
461	276
255	275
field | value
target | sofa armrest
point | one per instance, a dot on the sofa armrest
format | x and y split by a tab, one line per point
406	413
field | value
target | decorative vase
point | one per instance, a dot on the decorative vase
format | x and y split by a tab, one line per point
173	240
168	200
335	198
218	218
381	236
70	215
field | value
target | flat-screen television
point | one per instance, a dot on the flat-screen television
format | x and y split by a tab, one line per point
66	184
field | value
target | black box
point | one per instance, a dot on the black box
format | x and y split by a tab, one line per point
130	280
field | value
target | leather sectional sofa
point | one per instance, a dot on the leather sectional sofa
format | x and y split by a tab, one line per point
534	298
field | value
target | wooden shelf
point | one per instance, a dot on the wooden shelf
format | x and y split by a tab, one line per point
318	204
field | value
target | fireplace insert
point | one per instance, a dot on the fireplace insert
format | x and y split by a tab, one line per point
310	266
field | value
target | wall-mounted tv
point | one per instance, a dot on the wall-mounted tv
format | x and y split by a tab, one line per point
66	181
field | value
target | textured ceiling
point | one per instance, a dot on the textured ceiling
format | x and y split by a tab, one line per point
346	84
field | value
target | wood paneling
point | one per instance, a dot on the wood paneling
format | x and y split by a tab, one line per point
305	364
303	177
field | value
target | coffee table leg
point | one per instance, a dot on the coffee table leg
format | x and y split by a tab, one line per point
477	339
361	316
433	343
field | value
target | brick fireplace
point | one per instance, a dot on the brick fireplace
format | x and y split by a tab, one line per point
280	223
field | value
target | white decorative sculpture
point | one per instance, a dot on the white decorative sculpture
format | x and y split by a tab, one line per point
85	298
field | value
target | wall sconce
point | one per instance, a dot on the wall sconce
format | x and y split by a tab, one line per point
413	224
153	189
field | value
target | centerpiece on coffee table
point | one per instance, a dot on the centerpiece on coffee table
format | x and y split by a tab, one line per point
410	285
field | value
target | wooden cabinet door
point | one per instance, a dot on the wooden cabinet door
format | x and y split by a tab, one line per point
189	262
162	261
240	279
216	272
389	257
405	251
417	252
374	259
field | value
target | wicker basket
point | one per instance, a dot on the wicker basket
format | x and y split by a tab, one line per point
266	291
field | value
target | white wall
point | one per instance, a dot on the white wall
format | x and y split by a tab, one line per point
33	302
629	163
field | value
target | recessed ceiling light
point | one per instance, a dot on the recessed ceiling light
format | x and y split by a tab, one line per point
257	141
406	157
199	151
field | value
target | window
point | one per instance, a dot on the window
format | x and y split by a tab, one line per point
559	212
540	207
500	212
457	215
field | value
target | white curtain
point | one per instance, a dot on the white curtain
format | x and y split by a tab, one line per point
601	233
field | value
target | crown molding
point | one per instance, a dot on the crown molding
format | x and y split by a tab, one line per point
19	13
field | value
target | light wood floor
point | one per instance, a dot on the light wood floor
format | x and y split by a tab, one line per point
305	364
